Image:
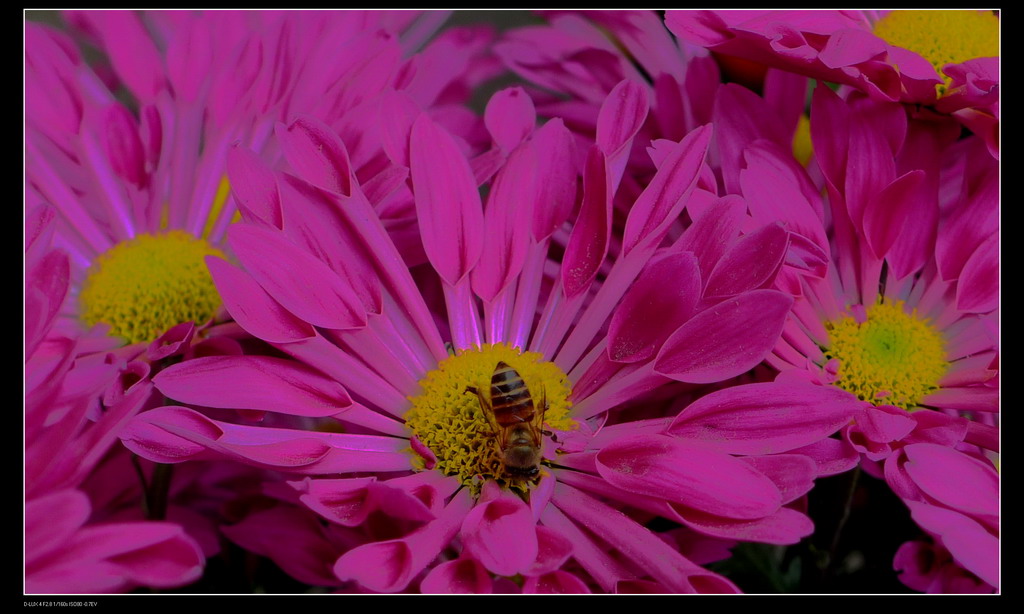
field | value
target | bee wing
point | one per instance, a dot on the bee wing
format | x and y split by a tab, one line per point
488	412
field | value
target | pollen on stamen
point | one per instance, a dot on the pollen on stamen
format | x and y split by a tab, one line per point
942	37
145	285
450	422
889	357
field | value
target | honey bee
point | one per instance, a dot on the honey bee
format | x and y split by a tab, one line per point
517	421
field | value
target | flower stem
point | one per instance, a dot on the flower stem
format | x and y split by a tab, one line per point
847	504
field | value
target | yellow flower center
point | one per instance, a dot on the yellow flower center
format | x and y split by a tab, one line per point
451	422
891	358
143	286
942	37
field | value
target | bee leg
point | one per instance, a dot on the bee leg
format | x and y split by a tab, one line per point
546	432
484	408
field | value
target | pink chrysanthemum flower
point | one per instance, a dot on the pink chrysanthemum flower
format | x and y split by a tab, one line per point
142	190
445	506
948	59
906	317
67	434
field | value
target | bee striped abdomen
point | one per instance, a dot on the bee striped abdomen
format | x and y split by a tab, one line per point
510	398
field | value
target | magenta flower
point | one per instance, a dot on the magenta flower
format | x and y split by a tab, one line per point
948	59
421	471
143	196
906	316
67	434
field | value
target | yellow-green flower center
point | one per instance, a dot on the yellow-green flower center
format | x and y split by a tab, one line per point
450	421
942	37
891	358
143	286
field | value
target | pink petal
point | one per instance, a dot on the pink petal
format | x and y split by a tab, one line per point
667	468
39	229
978	288
923	149
511	200
805	255
292	538
793	474
661	299
176	434
851	46
969	543
830	134
751	263
741	118
254	382
726	339
343	501
447	201
398	113
389	566
254	186
486	164
885	215
975	218
131	51
553	550
461	576
500	534
966	398
699	27
157	554
175	341
51	520
666	194
510	117
636	543
310	217
765	418
144	437
123	145
555	149
554	583
786	94
418	497
622	114
713	231
875	134
954	479
588	551
302	283
775	187
384	184
45	288
588	243
255	310
317	154
190	57
784	527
